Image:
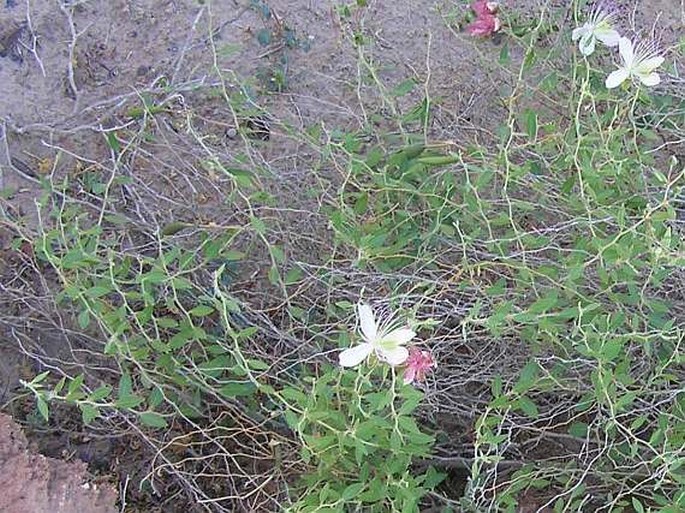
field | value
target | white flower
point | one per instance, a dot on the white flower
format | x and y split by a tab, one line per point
385	340
638	62
598	26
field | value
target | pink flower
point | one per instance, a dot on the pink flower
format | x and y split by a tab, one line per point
486	22
484	8
417	364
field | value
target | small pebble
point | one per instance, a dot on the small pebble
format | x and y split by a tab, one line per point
231	133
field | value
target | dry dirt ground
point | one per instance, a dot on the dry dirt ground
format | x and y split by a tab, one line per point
237	79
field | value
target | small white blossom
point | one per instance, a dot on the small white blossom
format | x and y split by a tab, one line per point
639	62
599	26
386	340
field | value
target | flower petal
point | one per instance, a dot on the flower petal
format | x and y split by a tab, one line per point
397	337
480	7
647	66
650	79
394	356
625	48
579	32
587	44
493	7
616	78
355	355
367	322
409	375
608	36
483	26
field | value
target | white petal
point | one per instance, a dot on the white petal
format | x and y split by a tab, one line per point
616	78
395	356
355	355
625	48
397	337
587	44
367	322
646	66
609	37
579	32
650	79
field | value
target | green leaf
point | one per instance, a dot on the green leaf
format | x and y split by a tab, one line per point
181	338
128	402
59	386
125	385
504	54
277	254
232	255
496	386
530	123
403	88
293	276
527	378
42	408
113	142
611	349
237	389
202	311
40	377
88	413
361	204
83	319
258	225
243	177
376	491
578	429
155	398
166	322
433	478
100	393
257	365
75	384
545	303
173	228
529	59
264	37
637	505
352	491
528	407
297	396
152	419
273	275
98	291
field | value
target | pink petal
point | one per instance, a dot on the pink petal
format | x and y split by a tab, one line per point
493	7
417	364
480	7
409	375
484	26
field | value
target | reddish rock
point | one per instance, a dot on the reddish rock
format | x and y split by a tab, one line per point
32	483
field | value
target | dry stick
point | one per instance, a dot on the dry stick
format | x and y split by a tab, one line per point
68	12
34	39
187	44
111	104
